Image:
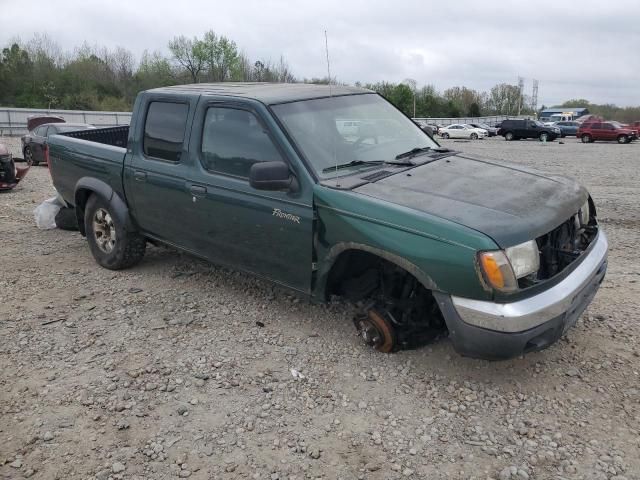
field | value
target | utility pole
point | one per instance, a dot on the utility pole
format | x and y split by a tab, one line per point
534	97
520	90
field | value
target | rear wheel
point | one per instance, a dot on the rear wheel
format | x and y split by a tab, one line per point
474	136
586	138
623	139
509	136
111	245
28	156
544	137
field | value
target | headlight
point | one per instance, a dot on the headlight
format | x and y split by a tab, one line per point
524	258
501	269
584	213
497	271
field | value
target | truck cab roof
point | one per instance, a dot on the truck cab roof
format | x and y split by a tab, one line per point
267	93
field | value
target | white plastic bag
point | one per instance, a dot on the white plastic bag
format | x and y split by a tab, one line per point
45	213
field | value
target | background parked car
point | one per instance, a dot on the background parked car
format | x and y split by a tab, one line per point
605	131
517	129
567	127
33	143
462	131
635	126
492	131
634	130
429	130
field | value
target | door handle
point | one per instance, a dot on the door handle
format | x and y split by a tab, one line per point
140	176
198	190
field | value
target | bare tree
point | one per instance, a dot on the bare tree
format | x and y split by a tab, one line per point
189	53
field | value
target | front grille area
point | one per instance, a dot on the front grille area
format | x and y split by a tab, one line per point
561	246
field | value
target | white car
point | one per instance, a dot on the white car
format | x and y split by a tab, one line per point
463	131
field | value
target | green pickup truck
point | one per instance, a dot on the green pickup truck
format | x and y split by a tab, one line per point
330	190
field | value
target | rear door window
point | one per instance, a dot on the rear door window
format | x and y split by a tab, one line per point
164	130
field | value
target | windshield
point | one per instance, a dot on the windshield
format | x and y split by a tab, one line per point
350	128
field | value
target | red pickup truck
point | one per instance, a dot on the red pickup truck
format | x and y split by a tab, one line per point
591	131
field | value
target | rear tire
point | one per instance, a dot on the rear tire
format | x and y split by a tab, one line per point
509	136
623	139
28	157
586	138
544	137
111	245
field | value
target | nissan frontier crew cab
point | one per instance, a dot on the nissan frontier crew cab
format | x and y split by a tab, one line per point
330	190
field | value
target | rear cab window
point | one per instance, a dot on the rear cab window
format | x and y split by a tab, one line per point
164	130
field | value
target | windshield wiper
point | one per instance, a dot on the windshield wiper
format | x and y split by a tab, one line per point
356	163
413	152
352	163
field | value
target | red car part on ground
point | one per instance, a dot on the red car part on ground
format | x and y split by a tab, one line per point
10	176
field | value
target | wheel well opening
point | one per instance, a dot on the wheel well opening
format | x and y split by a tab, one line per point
375	283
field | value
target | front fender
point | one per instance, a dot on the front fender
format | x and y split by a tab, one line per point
439	253
320	288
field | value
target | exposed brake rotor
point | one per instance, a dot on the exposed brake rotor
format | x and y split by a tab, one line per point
376	330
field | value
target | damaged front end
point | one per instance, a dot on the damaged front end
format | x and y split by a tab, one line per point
10	176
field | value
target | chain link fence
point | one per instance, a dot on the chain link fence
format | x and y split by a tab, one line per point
489	120
13	121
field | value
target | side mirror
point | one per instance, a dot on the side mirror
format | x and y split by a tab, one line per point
271	176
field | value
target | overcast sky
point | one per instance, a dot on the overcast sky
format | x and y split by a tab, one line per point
576	49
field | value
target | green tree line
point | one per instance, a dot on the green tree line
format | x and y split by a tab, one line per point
39	74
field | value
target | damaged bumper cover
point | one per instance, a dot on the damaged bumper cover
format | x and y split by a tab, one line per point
501	330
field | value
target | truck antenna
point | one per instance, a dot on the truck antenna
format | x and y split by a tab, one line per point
333	143
326	48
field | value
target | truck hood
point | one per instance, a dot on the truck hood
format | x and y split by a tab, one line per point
509	203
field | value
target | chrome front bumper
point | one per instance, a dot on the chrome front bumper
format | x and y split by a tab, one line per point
531	312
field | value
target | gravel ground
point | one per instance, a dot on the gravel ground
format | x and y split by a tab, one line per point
176	368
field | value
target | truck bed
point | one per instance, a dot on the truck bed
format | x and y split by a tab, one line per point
116	136
99	153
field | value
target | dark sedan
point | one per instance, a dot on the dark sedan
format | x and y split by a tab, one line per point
34	142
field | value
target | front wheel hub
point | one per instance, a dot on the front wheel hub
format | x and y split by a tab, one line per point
375	330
